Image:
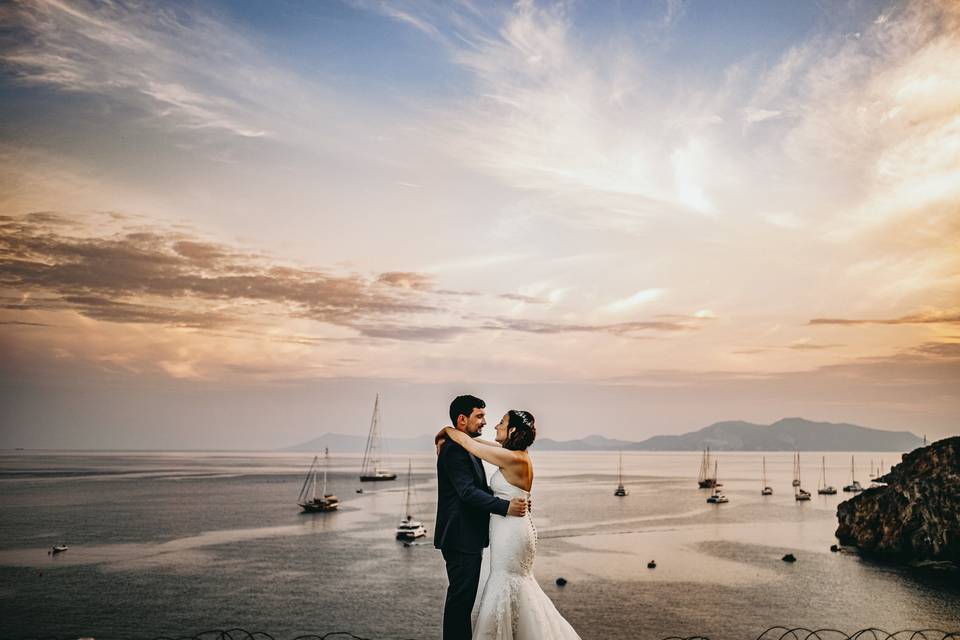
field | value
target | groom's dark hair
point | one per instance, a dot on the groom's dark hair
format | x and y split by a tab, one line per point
464	406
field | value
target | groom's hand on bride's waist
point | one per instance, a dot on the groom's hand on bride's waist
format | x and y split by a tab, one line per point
518	507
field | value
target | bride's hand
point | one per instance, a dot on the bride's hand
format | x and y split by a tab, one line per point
440	438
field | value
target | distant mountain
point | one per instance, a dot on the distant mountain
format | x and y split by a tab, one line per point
590	443
784	435
341	443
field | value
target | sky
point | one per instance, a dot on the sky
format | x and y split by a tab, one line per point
231	224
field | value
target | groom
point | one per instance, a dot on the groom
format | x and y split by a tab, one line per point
464	505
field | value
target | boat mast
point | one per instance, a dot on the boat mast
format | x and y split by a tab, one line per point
409	467
764	471
371	457
620	470
823	472
313	485
326	462
306	481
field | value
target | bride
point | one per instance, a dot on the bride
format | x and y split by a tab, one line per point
513	606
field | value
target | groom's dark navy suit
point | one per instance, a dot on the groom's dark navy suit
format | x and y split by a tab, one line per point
464	505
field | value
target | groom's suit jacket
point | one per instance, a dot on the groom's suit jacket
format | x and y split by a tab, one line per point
464	501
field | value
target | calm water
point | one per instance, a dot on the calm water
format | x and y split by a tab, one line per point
176	543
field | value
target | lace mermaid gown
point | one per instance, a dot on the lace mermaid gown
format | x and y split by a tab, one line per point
513	606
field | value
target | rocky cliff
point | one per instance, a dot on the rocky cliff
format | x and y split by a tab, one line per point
915	517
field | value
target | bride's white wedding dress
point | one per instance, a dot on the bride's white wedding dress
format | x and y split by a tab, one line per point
513	606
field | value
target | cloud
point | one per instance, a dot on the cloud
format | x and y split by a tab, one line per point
550	113
25	324
637	299
413	333
797	346
752	115
162	277
618	328
152	275
189	70
406	280
939	350
517	297
930	316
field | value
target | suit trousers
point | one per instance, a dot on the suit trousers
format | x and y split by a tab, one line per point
463	576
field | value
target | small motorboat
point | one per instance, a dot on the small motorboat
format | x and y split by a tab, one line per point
767	489
58	548
717	496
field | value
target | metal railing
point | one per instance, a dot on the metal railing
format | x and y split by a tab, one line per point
773	633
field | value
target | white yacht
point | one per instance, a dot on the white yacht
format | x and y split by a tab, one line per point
409	528
370	470
717	496
854	486
825	489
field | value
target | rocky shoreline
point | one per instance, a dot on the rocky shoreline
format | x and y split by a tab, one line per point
914	518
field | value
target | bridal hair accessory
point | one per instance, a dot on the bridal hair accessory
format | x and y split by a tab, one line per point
525	417
524	430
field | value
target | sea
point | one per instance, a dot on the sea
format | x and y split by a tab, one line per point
171	544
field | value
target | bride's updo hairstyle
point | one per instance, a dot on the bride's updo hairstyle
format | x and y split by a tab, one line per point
521	430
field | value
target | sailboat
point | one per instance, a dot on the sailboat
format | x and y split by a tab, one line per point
823	488
704	480
767	489
854	486
409	529
799	493
370	470
620	492
308	499
875	477
717	496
